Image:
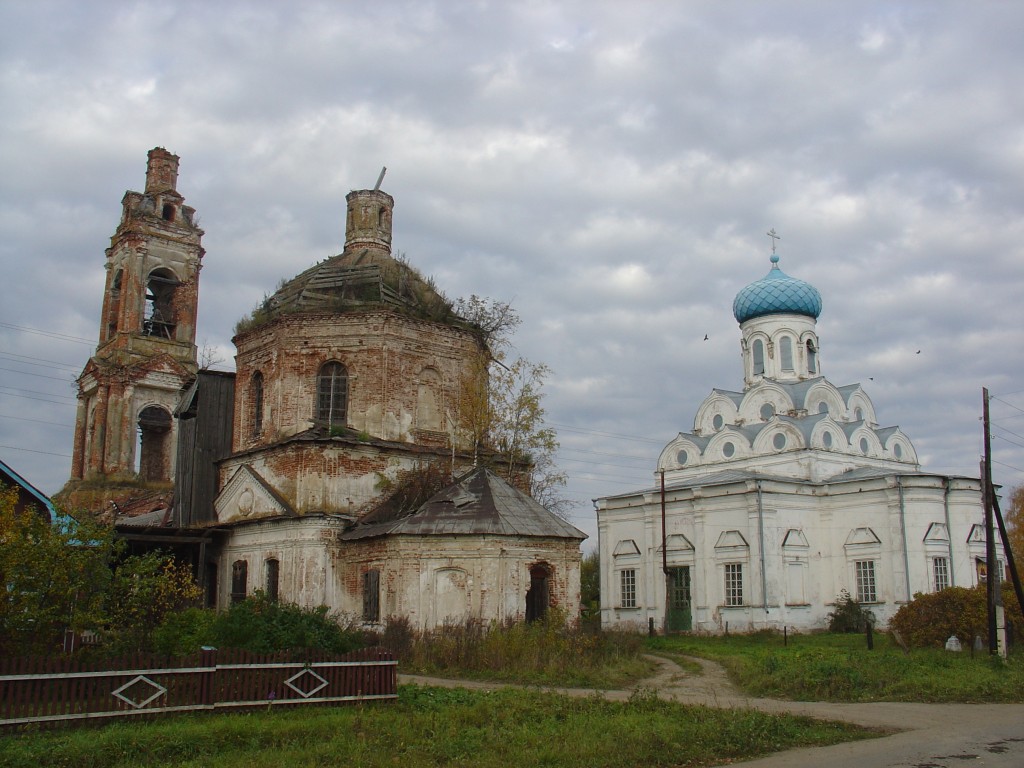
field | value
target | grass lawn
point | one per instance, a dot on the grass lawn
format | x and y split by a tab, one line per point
434	726
827	667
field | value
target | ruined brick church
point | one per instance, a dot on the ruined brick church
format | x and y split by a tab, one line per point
272	477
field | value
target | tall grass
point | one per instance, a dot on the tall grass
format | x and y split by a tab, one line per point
432	726
547	652
828	667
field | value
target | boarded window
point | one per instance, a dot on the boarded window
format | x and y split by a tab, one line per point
239	580
812	358
273	577
428	401
332	395
371	595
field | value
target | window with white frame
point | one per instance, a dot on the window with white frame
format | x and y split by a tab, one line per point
627	588
940	572
786	353
864	570
734	583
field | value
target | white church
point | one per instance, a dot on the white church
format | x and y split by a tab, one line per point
782	496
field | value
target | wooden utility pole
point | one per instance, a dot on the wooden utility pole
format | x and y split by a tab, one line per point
996	621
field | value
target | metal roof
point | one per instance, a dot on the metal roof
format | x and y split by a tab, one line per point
478	503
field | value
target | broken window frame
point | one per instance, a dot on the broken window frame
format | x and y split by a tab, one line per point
371	595
239	581
159	318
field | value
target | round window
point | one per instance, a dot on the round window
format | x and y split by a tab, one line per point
822	407
898	451
863	445
779	441
718	421
767	411
728	450
681	458
826	439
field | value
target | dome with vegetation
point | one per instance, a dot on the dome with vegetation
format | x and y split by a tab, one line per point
352	282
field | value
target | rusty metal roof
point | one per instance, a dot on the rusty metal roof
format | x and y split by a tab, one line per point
478	503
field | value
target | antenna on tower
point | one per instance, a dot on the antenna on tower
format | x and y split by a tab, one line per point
380	178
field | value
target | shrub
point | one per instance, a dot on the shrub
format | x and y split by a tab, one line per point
184	632
262	625
930	619
849	615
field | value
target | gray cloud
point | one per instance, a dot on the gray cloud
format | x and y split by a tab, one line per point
611	170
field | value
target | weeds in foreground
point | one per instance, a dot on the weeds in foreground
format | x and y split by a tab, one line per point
547	652
434	726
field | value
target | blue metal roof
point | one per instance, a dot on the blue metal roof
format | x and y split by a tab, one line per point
776	293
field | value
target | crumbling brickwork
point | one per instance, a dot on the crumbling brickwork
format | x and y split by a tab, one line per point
146	351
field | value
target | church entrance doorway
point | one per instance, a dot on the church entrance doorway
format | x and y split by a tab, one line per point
537	595
679	618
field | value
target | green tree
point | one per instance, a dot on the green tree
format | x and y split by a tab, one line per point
501	407
53	577
77	577
590	587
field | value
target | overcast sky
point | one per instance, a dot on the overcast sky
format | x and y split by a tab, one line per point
610	168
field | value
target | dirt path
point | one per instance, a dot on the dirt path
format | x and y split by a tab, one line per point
928	735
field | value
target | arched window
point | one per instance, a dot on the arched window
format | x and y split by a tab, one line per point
256	403
332	395
758	357
786	353
239	580
168	212
812	357
114	305
428	408
159	317
273	576
154	460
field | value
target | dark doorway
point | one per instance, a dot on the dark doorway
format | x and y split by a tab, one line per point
537	595
211	584
679	617
154	461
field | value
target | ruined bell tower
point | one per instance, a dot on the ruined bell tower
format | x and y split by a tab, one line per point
125	430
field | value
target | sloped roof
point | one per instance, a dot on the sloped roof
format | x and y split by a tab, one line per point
478	503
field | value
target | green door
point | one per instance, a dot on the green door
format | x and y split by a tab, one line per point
679	619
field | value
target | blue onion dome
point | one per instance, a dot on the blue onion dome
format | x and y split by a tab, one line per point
774	294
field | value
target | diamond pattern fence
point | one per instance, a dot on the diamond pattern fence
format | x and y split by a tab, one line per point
69	690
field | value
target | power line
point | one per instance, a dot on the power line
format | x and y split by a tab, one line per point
14	393
51	334
37	375
567	428
41	362
30	450
37	421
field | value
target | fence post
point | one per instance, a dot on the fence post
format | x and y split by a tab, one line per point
207	659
